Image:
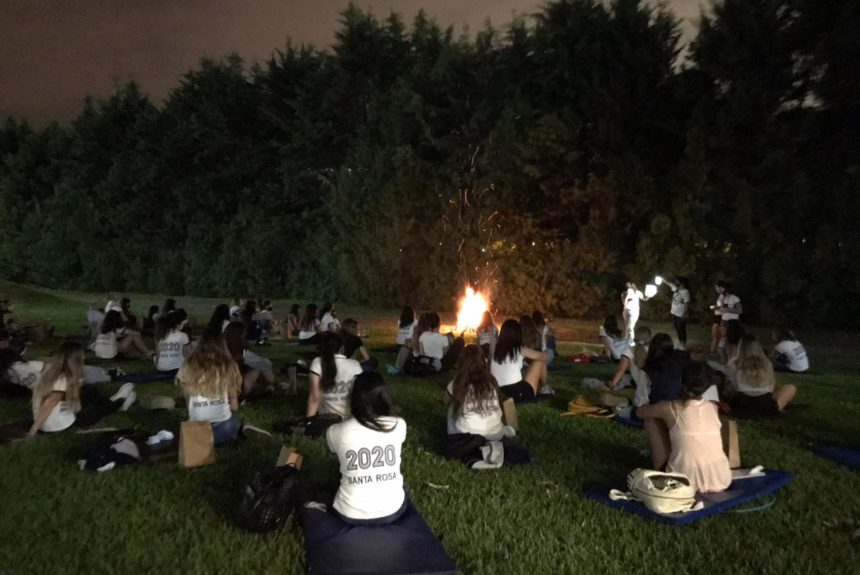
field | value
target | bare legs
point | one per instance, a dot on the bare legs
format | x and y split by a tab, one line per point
536	375
784	395
131	345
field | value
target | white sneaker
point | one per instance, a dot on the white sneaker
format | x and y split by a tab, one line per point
127	394
546	390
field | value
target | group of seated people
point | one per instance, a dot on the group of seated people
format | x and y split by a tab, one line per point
676	393
679	396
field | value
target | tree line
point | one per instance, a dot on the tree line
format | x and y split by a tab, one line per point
547	162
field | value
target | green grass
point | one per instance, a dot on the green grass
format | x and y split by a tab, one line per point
163	519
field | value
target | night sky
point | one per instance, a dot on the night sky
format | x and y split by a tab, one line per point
54	52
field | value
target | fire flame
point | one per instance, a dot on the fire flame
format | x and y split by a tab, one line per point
472	308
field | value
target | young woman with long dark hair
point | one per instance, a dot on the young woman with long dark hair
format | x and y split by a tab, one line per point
507	364
369	444
309	327
115	339
331	378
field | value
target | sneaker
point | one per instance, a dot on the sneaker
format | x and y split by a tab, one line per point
127	394
391	369
546	390
247	428
302	362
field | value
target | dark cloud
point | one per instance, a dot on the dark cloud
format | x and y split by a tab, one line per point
53	53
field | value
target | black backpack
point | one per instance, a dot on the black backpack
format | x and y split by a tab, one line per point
269	500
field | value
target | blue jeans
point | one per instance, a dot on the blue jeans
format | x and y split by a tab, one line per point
227	430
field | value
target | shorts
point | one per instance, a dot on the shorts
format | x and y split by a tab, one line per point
759	405
520	391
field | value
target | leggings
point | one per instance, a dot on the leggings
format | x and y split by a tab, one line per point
680	324
94	407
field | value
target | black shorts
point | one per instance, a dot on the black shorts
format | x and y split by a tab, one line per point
759	405
520	391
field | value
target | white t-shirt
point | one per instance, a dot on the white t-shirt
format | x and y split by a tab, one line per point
263	316
336	400
170	351
329	323
717	306
488	336
730	300
26	373
371	485
631	299
488	424
235	313
434	344
544	333
617	345
113	306
105	346
212	409
305	334
680	302
62	416
405	333
509	371
796	354
94	316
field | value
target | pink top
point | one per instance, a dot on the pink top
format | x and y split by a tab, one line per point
697	446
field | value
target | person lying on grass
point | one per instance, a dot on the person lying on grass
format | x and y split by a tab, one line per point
210	381
368	448
331	378
507	364
693	444
19	376
114	339
59	401
753	381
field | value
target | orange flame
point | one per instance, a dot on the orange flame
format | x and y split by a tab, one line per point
472	308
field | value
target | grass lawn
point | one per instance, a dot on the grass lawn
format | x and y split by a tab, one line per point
163	519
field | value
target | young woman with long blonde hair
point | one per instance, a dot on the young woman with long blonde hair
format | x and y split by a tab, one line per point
211	381
60	402
754	383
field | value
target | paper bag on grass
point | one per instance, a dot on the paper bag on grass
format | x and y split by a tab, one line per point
289	456
731	445
509	413
196	444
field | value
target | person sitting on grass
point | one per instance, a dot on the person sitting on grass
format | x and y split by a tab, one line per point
369	444
507	364
309	328
149	321
353	346
633	362
328	318
487	333
210	381
433	344
693	445
331	378
788	353
615	343
264	317
290	327
220	319
253	331
405	338
95	317
60	401
174	345
252	378
754	383
115	339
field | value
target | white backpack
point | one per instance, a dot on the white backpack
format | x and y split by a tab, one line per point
660	491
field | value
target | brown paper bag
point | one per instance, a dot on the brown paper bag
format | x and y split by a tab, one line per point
196	444
289	456
731	445
509	413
